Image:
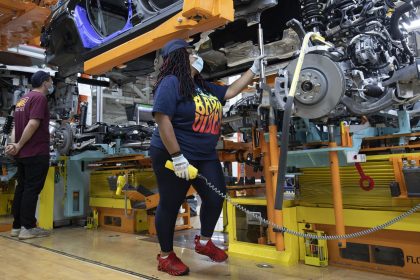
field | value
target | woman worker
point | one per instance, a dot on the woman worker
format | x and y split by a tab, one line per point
188	111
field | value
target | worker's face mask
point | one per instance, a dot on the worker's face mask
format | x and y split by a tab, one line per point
50	88
198	63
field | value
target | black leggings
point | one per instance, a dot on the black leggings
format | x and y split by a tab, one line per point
172	191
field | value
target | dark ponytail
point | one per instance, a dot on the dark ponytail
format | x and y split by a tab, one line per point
177	63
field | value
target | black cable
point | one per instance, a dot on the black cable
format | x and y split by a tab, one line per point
390	4
407	49
284	145
396	16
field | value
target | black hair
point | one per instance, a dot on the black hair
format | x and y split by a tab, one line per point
177	63
38	78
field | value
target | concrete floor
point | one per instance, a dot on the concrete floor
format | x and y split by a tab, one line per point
103	253
26	262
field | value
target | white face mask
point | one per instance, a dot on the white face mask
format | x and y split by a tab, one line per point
51	89
198	63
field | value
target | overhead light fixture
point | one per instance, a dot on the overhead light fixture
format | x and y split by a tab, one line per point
122	66
28	50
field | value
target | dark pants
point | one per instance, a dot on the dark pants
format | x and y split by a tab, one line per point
31	175
172	191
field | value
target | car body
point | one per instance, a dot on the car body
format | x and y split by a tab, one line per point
81	29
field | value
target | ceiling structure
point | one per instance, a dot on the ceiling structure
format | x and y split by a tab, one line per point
21	21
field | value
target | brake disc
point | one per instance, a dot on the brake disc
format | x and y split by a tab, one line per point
66	139
320	88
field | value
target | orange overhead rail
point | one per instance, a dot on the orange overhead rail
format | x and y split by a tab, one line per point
196	16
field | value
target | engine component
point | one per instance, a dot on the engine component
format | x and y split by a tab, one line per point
63	139
83	113
312	15
399	12
365	50
7	127
67	139
371	52
240	115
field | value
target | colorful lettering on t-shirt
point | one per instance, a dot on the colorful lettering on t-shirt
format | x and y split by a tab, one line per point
20	105
208	113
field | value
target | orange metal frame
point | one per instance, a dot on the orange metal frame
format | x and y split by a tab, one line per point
411	145
337	195
346	140
270	151
404	240
274	156
152	201
397	164
196	16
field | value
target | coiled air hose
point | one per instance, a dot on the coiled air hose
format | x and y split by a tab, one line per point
193	173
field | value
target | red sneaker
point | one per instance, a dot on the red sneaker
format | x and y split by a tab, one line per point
210	250
172	265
